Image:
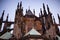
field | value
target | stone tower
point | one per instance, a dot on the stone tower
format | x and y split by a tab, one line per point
17	32
1	19
43	24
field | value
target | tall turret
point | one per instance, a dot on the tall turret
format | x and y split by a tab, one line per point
19	10
54	20
49	15
41	11
7	17
58	18
34	11
41	15
45	17
18	6
1	19
44	10
18	25
48	9
42	21
2	15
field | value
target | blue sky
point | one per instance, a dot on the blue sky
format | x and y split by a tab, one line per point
10	7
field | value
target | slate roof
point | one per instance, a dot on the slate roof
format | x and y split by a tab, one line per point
33	32
29	12
7	35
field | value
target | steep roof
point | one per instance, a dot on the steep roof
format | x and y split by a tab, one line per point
32	32
29	12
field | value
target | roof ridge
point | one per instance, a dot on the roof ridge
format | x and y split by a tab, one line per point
32	32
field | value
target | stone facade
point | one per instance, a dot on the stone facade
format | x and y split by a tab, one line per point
45	24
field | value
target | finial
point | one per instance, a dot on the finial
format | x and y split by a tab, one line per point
18	6
34	11
58	18
47	8
45	13
7	17
26	10
41	11
58	15
54	20
43	6
2	14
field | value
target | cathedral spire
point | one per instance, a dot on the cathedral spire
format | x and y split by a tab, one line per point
54	20
1	19
45	13
43	6
7	17
49	15
41	11
58	18
58	15
48	9
2	15
18	6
